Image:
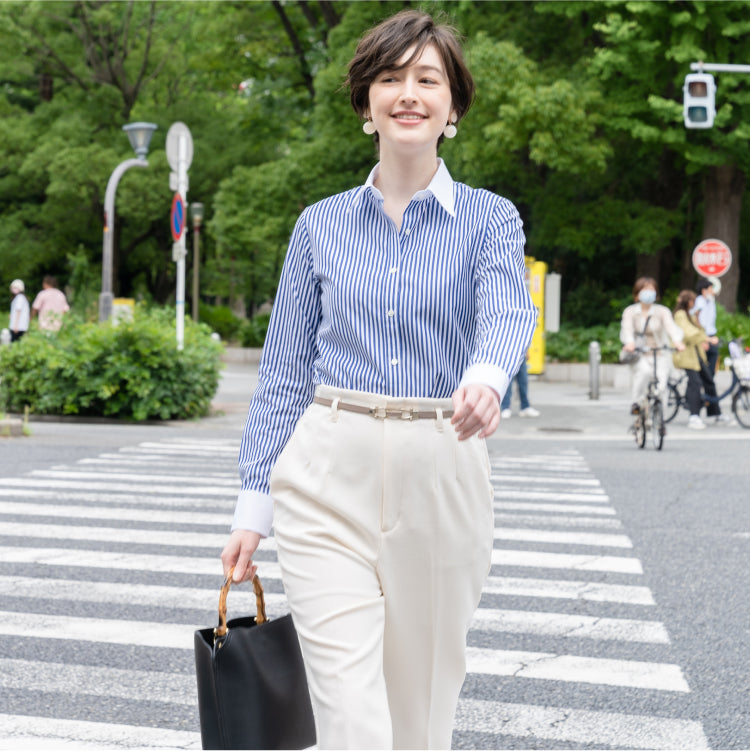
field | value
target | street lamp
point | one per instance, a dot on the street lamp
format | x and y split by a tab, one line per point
196	209
139	135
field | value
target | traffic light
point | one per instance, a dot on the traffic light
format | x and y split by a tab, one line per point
699	93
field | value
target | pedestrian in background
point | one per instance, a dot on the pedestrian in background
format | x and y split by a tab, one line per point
646	324
50	305
704	309
19	310
521	379
401	316
693	361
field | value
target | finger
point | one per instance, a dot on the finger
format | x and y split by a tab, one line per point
491	426
230	554
244	566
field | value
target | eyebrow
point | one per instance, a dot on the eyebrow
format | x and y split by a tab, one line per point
421	68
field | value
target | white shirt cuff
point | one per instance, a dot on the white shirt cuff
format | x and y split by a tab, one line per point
488	375
253	512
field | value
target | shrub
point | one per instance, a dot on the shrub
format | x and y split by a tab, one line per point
221	320
571	343
132	370
253	332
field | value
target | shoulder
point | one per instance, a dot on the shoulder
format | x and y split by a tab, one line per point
338	203
680	316
482	200
662	310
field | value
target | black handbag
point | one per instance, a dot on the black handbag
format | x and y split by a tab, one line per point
252	689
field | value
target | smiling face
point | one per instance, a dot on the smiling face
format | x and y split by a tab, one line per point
410	106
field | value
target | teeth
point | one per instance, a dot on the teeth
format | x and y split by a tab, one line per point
409	117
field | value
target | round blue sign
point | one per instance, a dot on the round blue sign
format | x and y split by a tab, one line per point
177	217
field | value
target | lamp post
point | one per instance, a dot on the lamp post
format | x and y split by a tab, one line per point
139	135
196	209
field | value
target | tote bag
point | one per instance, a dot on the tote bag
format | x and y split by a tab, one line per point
252	688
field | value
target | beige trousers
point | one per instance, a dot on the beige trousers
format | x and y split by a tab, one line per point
384	530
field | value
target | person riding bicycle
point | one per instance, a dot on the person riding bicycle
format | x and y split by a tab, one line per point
646	324
693	361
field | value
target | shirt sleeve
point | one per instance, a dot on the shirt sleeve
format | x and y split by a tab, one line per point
285	386
506	316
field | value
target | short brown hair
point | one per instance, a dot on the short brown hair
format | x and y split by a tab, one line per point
383	46
641	282
685	301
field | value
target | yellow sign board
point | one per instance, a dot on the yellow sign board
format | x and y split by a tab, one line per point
535	274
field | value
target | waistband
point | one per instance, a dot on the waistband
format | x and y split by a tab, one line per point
380	406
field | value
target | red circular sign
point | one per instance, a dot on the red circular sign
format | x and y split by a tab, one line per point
712	258
177	217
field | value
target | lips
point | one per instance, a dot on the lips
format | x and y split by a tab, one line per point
408	116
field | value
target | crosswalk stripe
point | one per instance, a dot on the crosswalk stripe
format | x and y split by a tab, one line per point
221	520
45	531
569	626
553	508
215	478
579	726
572	668
241	598
564	589
91	735
119	499
139	633
536	559
531	495
563	538
177	489
28	675
554	480
144	460
127	561
550	520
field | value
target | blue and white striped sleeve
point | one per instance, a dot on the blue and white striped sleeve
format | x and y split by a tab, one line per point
506	315
285	386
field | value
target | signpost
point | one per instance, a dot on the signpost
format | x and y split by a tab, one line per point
712	258
179	149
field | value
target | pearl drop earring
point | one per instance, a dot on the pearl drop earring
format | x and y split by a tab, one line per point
450	130
369	127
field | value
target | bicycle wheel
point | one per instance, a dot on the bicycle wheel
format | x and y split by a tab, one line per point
675	398
657	424
741	406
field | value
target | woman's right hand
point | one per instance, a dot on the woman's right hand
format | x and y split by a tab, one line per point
238	553
629	347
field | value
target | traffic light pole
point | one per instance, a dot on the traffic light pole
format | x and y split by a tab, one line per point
720	67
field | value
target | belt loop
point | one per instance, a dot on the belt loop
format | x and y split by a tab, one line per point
335	409
439	419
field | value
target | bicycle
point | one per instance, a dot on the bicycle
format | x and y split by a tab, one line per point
739	388
650	415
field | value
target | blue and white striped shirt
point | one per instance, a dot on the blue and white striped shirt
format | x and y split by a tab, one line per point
409	313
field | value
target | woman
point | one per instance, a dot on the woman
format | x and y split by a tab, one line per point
401	316
19	311
694	362
646	324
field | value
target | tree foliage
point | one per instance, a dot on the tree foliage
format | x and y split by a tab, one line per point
578	120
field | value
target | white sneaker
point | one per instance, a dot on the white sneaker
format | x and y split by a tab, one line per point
506	413
725	420
695	422
529	412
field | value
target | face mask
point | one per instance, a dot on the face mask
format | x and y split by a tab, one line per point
647	296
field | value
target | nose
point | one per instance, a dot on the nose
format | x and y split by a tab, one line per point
408	90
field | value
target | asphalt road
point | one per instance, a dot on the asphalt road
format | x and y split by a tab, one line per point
615	615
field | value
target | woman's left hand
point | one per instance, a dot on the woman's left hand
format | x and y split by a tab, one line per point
476	409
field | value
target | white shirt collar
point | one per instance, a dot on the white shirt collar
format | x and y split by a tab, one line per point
441	186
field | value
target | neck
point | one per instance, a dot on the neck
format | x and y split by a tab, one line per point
399	177
645	307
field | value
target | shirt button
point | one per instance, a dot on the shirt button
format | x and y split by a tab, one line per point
407	231
391	313
394	361
393	270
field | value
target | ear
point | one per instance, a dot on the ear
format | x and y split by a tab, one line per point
454	117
